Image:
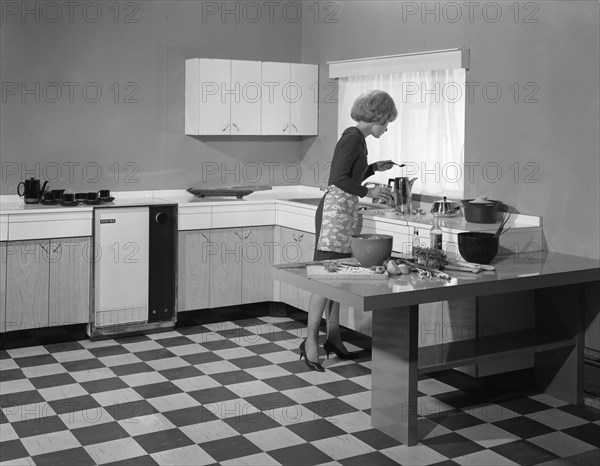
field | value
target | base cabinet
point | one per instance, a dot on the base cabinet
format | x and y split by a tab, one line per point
295	246
225	267
70	268
47	283
2	286
193	270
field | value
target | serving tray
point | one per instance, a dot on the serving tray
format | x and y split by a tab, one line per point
236	191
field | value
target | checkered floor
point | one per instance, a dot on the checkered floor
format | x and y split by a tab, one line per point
236	393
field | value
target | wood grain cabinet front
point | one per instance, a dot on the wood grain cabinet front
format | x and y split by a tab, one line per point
295	246
47	283
2	286
70	274
193	270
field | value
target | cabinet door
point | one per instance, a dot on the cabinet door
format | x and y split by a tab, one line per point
245	93
304	99
2	285
307	245
70	267
290	251
275	105
226	267
27	275
257	259
193	277
214	97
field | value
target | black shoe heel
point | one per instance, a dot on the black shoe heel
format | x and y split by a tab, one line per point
340	353
313	366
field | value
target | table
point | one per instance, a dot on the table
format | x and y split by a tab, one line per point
565	288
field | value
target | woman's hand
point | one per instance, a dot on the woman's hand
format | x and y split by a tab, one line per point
383	165
380	192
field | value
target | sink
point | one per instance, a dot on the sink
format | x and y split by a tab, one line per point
315	201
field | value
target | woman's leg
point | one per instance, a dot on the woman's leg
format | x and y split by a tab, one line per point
315	311
333	323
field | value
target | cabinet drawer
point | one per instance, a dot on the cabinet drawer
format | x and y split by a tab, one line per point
54	225
3	227
243	215
298	218
195	218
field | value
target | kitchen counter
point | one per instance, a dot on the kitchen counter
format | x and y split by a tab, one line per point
558	285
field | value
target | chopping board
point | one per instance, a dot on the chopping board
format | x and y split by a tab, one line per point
350	273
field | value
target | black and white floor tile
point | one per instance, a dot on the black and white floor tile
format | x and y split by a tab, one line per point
236	393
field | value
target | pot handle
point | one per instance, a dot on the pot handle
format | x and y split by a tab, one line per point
18	186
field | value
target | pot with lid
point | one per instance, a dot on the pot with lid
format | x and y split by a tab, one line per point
445	208
481	210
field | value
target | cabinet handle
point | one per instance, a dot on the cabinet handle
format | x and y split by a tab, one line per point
57	248
286	127
42	246
205	237
235	126
294	126
300	236
248	235
226	127
237	234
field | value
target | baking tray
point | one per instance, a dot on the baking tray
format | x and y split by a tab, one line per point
235	191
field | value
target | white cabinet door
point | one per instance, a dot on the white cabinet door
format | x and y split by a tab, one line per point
275	105
304	98
214	107
244	93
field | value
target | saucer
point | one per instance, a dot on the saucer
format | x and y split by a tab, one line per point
90	202
53	202
107	199
69	204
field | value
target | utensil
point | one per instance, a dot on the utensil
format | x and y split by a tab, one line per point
501	229
402	193
481	210
444	208
32	192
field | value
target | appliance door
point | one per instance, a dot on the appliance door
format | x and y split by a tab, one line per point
121	265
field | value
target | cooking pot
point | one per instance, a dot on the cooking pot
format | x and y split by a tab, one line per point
481	210
445	208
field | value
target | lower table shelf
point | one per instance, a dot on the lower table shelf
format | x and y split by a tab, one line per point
448	355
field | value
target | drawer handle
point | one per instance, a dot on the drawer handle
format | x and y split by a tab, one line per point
226	127
286	127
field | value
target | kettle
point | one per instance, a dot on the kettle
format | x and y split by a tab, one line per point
31	190
402	193
445	208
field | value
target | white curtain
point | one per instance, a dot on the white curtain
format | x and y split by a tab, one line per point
428	134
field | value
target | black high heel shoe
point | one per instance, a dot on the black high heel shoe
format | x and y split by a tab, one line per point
340	353
314	366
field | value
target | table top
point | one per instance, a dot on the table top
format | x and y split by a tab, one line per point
512	273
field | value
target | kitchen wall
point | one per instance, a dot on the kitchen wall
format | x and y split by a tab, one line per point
93	93
535	145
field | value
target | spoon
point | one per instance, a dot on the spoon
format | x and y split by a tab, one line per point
501	227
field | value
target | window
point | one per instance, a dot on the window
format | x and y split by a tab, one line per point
428	134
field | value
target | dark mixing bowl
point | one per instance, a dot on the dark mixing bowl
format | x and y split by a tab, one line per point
478	247
371	249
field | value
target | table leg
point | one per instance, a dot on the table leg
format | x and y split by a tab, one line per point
559	373
395	373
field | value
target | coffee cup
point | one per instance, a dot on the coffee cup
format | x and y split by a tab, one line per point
48	196
104	193
68	197
80	197
58	193
92	196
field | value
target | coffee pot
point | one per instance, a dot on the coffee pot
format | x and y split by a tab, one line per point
402	193
31	190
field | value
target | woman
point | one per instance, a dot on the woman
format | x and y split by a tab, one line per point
337	215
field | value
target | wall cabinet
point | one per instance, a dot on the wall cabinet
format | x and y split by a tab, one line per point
223	97
242	97
290	99
47	283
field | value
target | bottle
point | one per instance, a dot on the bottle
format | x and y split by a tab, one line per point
435	235
415	241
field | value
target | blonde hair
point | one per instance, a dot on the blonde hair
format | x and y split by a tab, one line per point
374	107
